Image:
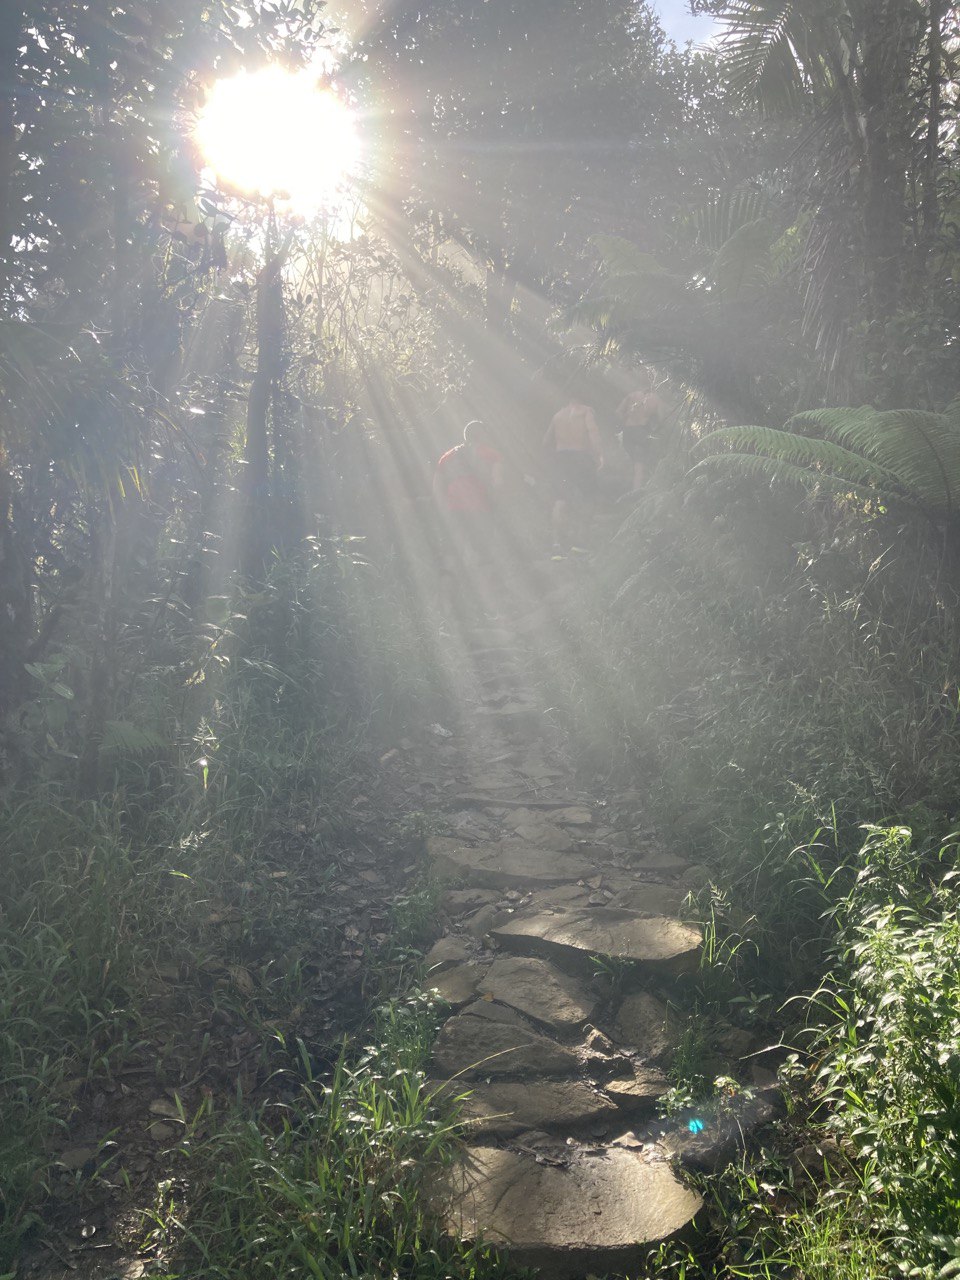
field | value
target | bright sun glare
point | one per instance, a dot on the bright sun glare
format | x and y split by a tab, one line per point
277	133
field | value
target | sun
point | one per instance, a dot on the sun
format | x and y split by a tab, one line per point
277	133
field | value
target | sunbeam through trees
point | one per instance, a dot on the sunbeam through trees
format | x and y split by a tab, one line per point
479	639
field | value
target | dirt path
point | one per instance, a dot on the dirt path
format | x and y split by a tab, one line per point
567	971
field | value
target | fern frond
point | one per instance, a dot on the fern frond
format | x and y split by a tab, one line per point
775	470
824	456
922	449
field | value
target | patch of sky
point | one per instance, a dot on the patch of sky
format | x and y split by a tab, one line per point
681	25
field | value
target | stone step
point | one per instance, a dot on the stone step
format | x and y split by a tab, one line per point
610	932
487	1040
504	864
541	992
506	1108
586	1211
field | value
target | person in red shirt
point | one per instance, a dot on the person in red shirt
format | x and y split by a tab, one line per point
465	485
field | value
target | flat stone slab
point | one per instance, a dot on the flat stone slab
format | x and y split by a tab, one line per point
457	986
612	932
503	1109
639	1091
574	815
533	828
488	1040
643	1023
540	991
461	901
448	951
649	898
505	864
594	1213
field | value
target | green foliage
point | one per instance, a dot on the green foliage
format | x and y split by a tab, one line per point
900	455
891	1068
336	1184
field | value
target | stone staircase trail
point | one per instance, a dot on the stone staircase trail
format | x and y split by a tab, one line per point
561	957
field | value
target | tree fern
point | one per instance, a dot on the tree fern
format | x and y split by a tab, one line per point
904	454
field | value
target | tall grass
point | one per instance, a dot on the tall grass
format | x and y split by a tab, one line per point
337	1184
238	744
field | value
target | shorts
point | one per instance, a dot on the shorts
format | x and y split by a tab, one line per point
574	474
639	446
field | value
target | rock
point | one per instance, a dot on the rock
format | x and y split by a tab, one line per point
75	1158
536	989
659	860
639	1091
695	877
504	1109
480	924
560	898
708	1140
650	897
574	816
597	1042
457	986
644	1023
504	865
164	1107
818	1162
611	932
534	828
459	901
161	1132
488	1040
448	951
593	1211
734	1043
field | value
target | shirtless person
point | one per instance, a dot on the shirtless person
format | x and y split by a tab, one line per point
640	416
572	442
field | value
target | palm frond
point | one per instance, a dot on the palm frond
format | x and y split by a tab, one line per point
759	53
744	259
725	213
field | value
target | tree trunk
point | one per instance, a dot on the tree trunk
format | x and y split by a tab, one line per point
929	207
11	27
269	329
886	48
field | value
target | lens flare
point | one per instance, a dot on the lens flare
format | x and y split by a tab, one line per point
276	133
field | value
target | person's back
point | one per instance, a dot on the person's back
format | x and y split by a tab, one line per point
574	428
572	441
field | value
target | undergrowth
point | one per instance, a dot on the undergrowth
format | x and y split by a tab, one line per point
195	893
335	1184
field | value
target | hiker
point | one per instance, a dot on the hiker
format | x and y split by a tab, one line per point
572	444
640	416
465	485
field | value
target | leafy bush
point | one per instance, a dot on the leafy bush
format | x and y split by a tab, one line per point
892	1066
